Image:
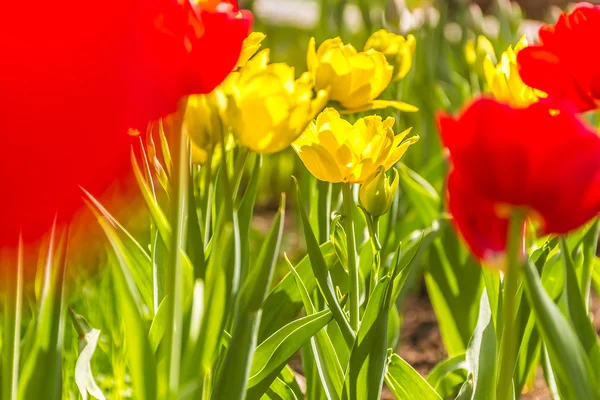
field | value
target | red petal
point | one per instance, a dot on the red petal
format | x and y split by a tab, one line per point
475	218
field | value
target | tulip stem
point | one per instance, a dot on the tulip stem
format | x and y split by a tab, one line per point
353	287
508	350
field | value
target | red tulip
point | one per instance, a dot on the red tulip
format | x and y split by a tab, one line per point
545	162
565	64
76	75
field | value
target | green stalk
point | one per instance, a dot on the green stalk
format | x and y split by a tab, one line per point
13	290
353	287
324	190
174	274
508	349
207	197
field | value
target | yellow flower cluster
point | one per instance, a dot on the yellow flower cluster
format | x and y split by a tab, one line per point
266	107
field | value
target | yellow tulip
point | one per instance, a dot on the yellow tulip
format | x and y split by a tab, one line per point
354	79
504	81
398	50
204	124
477	50
250	47
334	150
377	192
267	108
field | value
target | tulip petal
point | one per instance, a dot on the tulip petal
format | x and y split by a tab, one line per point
320	163
380	105
475	218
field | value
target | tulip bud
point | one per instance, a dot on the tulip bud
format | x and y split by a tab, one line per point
476	51
377	192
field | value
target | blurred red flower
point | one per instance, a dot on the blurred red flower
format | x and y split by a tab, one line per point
566	64
534	158
75	75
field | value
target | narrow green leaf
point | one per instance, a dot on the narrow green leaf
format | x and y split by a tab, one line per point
441	377
422	196
245	212
279	390
11	295
364	377
234	371
284	302
329	369
216	302
481	353
140	357
406	383
156	213
41	376
272	354
138	261
321	272
454	284
158	327
574	373
577	312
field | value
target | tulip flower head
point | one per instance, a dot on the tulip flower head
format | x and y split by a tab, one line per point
534	158
250	46
206	114
72	98
504	80
267	108
398	50
377	192
334	150
354	79
204	124
564	64
477	50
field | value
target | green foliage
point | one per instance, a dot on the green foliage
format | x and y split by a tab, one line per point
191	298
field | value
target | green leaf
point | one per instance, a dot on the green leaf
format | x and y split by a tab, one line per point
406	383
284	302
158	327
140	357
272	354
454	284
577	312
574	373
279	390
137	259
41	376
11	297
329	369
422	196
321	273
234	371
245	212
217	291
364	377
447	377
156	213
481	353
88	340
